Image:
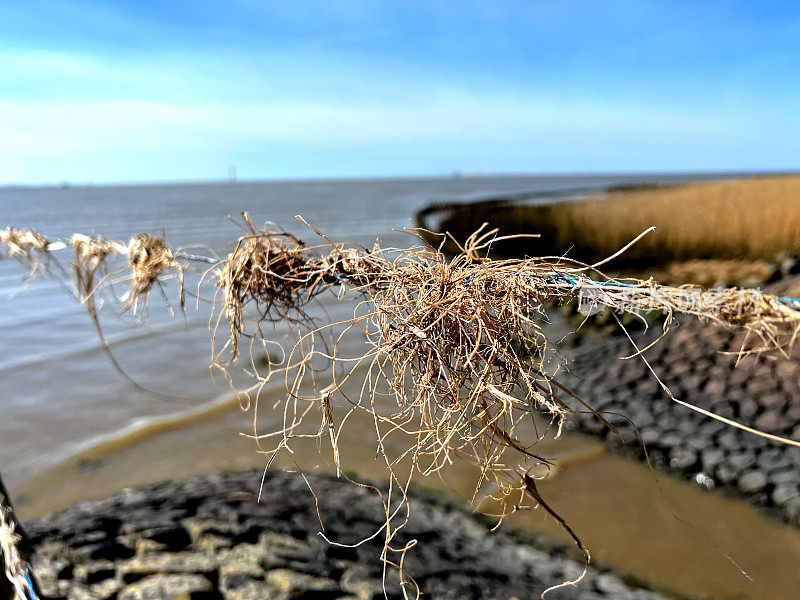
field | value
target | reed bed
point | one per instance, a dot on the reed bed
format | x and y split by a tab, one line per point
745	219
742	220
458	341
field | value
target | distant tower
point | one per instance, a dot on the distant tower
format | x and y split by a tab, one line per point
231	173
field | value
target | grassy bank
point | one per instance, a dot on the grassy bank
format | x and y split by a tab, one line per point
747	219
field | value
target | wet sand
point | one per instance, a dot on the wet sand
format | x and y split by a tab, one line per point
629	521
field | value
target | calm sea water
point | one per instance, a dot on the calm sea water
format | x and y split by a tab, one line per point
59	392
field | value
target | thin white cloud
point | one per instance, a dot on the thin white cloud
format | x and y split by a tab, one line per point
35	127
59	109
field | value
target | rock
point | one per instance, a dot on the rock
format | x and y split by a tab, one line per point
773	459
786	369
781	476
760	384
52	568
611	586
236	574
300	585
696	442
714	387
742	460
111	550
728	440
783	493
752	482
196	528
169	587
725	474
94	571
671	439
81	592
682	459
143	547
183	562
748	408
106	590
771	421
711	457
53	589
287	547
210	543
254	590
248	554
710	428
650	436
457	558
172	536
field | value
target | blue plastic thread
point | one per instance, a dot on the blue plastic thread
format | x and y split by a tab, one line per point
571	280
30	586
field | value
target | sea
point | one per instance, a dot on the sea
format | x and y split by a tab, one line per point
59	393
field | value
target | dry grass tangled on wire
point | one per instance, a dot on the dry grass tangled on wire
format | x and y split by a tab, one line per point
458	342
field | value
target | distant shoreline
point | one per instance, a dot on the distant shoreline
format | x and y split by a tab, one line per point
748	219
387	178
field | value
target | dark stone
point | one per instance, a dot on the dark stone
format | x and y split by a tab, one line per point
752	482
152	564
714	387
760	385
682	459
254	590
770	422
742	460
728	440
774	459
102	550
671	439
725	474
94	571
106	590
170	587
773	400
747	408
298	585
784	492
782	476
81	592
457	557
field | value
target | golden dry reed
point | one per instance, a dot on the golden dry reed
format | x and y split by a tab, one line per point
457	342
741	219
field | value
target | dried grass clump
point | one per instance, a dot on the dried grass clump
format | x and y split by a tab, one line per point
268	270
148	258
90	256
26	246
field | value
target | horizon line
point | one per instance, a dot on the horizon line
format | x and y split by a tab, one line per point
455	175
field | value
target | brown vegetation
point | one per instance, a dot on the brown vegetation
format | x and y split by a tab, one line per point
749	219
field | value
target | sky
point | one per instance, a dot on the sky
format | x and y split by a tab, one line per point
180	90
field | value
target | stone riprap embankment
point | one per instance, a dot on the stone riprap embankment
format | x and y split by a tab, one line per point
697	362
208	538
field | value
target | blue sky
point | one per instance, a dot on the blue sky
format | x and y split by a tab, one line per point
173	90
